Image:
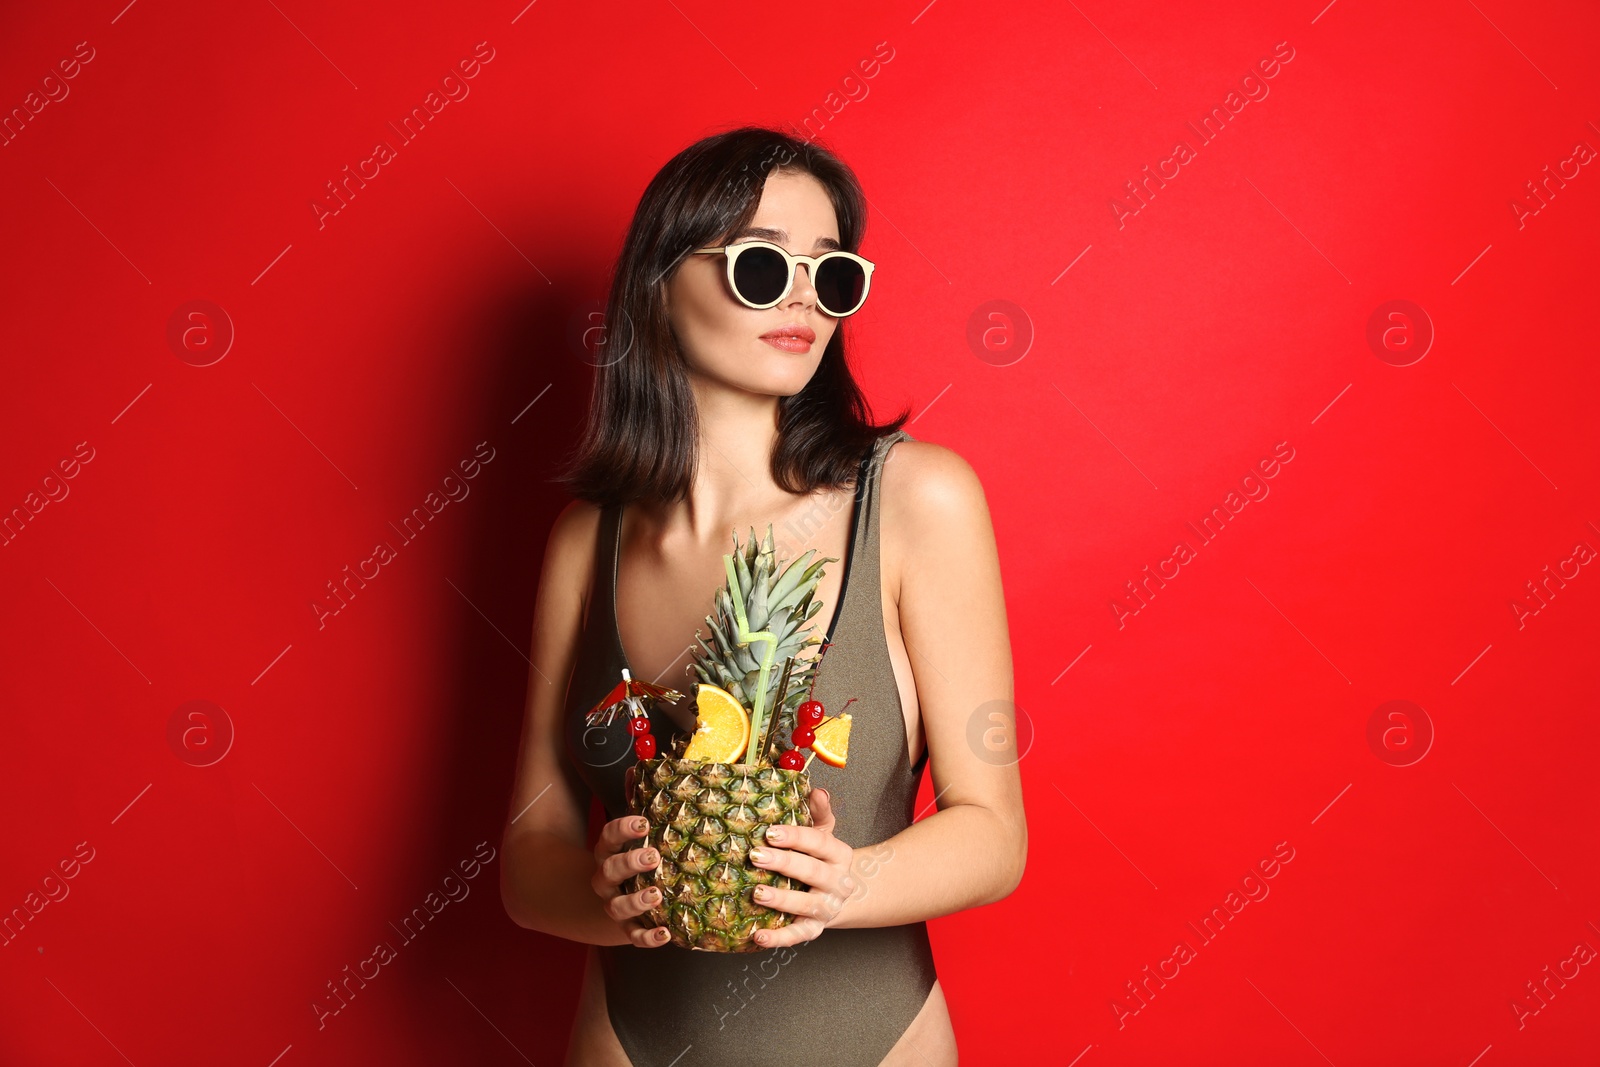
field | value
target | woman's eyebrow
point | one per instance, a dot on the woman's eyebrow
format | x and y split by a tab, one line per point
767	233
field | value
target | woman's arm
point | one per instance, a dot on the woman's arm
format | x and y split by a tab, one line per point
938	540
546	868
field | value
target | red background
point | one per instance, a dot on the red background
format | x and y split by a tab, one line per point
1172	750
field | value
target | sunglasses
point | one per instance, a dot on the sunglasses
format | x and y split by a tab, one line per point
761	274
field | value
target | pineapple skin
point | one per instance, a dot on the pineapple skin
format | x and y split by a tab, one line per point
704	819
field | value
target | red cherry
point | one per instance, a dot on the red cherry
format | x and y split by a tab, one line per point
791	760
645	746
803	736
638	725
811	713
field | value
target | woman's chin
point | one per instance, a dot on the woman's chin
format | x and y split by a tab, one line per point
778	382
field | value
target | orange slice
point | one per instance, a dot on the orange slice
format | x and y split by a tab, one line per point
833	740
722	730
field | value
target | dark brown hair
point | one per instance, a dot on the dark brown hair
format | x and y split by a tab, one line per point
642	433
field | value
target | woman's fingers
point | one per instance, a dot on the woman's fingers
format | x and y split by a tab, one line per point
615	858
618	868
815	903
808	869
616	862
624	865
649	936
617	834
821	802
797	932
788	900
632	905
812	839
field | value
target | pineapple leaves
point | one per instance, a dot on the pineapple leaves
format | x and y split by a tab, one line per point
793	576
759	612
741	566
778	601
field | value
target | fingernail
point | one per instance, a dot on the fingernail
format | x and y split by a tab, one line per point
661	933
652	895
640	825
762	892
775	834
758	855
650	855
763	937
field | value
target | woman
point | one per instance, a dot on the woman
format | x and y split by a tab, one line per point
724	401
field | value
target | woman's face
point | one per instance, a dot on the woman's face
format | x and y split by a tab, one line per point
722	338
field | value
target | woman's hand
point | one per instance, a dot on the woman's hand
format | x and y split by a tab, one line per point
814	856
615	863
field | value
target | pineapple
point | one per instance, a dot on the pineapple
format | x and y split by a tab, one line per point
705	817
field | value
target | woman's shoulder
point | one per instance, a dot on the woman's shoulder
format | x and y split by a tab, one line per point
922	480
569	551
933	516
576	525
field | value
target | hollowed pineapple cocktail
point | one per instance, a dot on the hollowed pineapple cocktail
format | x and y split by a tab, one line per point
709	803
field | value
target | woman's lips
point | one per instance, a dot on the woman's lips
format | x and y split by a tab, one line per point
792	337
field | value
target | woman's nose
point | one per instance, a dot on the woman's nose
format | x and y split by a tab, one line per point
801	289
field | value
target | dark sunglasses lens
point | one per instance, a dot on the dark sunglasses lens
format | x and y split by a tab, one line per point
840	283
760	275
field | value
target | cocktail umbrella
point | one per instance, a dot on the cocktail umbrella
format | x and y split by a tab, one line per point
625	696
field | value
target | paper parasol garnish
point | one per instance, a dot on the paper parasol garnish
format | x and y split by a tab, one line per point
625	696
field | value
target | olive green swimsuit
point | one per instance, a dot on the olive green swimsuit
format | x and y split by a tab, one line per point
846	996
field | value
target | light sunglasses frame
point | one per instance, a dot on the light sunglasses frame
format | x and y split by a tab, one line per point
733	251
